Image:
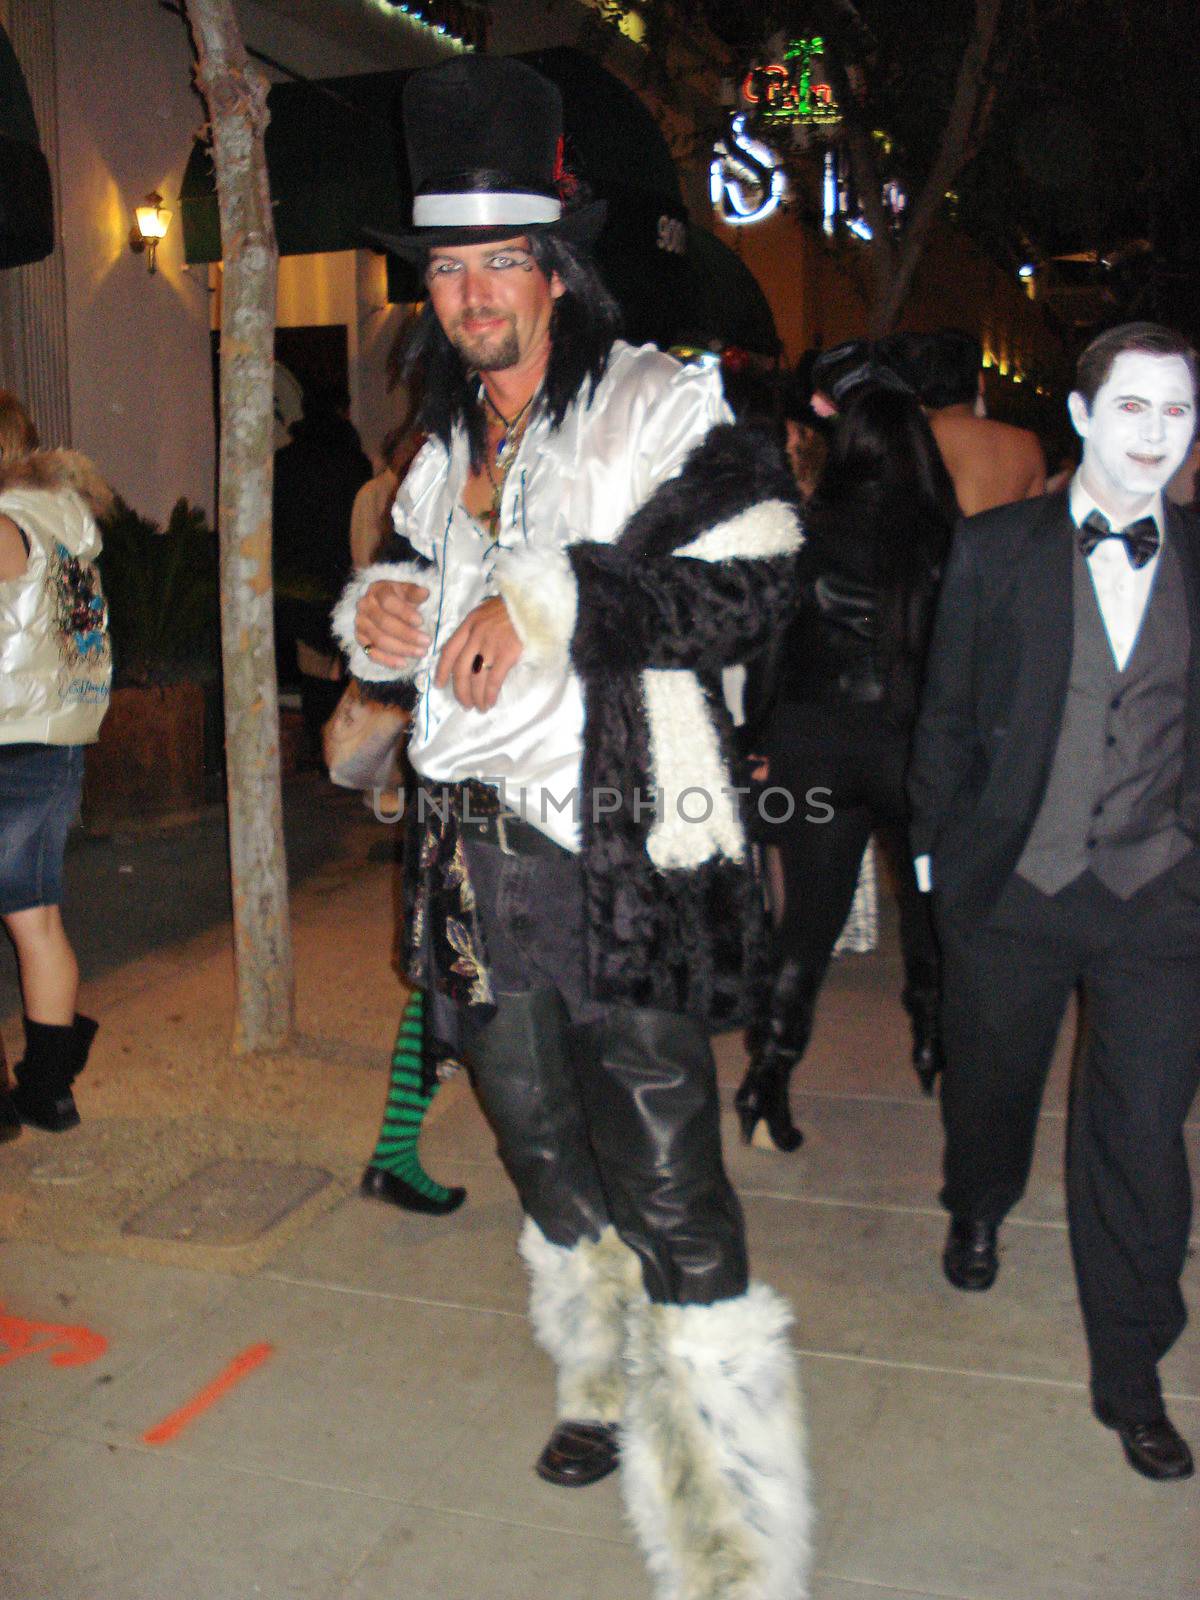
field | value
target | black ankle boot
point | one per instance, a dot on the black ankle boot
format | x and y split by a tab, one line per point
923	1007
54	1057
762	1105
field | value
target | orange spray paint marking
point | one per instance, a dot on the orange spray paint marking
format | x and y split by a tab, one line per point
20	1337
240	1367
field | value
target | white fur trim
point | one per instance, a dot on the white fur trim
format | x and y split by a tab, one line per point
697	814
770	528
539	589
712	1454
579	1302
361	664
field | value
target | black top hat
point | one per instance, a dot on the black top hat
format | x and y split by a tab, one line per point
484	137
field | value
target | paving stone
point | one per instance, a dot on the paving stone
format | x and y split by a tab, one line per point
228	1202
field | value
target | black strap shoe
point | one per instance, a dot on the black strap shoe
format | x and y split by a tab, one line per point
1155	1449
969	1259
378	1184
579	1453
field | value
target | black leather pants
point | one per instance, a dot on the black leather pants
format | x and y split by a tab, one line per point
616	1120
523	1068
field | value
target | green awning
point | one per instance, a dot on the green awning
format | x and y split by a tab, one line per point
331	160
26	200
727	304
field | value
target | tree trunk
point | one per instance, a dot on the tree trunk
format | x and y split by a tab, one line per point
895	261
236	95
962	129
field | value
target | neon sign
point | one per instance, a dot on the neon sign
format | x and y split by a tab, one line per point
794	89
746	177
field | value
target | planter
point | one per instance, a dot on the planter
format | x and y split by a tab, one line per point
149	761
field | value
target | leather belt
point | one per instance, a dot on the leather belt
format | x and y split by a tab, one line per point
484	819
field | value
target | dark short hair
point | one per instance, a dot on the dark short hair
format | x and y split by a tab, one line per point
942	367
842	371
1096	362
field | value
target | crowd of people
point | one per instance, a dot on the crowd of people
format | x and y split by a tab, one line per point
996	683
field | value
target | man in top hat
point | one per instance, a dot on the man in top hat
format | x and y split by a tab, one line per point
1055	783
581	547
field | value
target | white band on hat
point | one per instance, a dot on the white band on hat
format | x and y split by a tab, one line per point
483	208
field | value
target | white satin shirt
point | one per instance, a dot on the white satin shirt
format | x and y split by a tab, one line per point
582	481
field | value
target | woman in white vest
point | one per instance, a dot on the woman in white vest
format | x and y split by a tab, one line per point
55	677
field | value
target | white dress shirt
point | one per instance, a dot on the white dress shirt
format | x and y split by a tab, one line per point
1122	590
581	481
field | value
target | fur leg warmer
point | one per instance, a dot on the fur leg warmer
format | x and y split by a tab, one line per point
712	1451
579	1303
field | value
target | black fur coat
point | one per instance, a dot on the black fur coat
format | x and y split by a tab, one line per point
700	578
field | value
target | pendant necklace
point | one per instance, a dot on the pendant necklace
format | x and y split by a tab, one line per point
507	446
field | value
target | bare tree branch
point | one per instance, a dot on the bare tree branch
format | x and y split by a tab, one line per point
970	102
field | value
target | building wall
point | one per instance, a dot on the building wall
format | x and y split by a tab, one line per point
138	347
820	295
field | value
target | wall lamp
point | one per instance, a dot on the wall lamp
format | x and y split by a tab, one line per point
152	219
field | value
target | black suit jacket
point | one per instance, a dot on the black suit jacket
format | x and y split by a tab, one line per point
995	687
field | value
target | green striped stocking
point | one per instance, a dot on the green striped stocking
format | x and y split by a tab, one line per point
407	1103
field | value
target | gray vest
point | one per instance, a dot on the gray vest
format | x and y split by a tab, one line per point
1111	802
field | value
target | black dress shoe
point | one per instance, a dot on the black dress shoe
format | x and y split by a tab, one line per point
579	1453
969	1259
380	1185
1154	1449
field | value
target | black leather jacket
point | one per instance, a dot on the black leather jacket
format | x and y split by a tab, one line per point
856	637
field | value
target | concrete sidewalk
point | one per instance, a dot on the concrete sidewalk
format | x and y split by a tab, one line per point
382	1398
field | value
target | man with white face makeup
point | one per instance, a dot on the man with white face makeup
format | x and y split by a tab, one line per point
1055	784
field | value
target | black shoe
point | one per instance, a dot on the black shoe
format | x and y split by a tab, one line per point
579	1453
762	1105
969	1259
1154	1449
380	1185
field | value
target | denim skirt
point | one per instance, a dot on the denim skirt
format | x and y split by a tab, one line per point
39	800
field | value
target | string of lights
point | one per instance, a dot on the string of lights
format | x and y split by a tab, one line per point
457	22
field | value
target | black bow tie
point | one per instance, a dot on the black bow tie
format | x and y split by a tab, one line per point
1141	538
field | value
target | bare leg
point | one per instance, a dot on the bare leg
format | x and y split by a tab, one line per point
49	971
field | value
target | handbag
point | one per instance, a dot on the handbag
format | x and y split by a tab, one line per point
361	742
